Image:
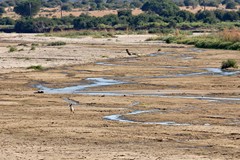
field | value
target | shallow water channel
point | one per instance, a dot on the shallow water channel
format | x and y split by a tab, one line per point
99	82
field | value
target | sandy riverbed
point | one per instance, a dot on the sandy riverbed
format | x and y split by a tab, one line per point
174	85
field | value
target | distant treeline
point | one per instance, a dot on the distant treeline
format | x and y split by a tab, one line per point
158	16
119	4
124	21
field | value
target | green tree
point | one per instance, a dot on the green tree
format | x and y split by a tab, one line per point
10	2
192	3
126	13
85	21
28	8
66	7
64	1
231	5
231	16
165	8
186	16
2	10
206	16
6	21
136	4
219	14
226	1
179	3
33	25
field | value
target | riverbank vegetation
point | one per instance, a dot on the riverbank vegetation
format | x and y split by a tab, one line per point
226	39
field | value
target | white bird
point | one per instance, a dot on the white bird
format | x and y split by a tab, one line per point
71	108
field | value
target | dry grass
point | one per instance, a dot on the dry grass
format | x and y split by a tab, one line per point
55	12
232	35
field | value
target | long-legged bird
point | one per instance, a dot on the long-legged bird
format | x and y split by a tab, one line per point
71	108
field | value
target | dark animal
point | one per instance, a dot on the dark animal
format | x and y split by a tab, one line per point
128	52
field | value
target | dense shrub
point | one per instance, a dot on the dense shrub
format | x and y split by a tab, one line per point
37	25
235	46
224	45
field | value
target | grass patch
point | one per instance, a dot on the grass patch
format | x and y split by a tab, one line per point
77	34
12	49
159	38
227	39
33	48
35	44
57	43
103	56
37	67
230	63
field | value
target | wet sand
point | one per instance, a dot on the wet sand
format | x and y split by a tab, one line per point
160	110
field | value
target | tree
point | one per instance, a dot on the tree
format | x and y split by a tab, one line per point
192	3
206	16
52	3
231	16
2	10
10	2
37	25
64	1
165	8
219	14
186	16
66	7
126	13
85	21
28	8
226	1
6	21
136	4
179	3
231	5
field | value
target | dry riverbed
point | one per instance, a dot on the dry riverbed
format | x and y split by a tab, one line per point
168	104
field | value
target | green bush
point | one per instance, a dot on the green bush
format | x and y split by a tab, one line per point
38	67
190	41
224	45
235	46
35	44
33	48
170	39
200	44
207	43
12	49
230	63
57	43
7	21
